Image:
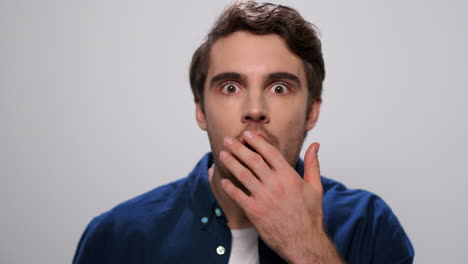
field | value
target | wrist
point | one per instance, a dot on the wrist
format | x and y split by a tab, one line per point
320	250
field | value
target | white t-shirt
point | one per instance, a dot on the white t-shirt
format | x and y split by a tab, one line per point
244	248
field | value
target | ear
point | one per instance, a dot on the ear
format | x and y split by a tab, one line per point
313	114
200	116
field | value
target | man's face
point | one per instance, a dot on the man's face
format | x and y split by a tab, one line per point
254	82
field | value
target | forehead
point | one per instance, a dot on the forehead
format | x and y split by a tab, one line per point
253	55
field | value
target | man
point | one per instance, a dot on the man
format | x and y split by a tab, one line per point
257	82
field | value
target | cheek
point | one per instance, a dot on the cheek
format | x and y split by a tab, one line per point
294	126
292	136
222	117
290	124
289	116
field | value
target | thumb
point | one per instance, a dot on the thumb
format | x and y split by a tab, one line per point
312	166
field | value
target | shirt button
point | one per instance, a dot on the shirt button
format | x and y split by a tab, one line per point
218	212
220	250
204	220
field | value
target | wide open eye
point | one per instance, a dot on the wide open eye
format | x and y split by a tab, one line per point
230	88
279	89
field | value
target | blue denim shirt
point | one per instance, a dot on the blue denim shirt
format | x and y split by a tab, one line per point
182	222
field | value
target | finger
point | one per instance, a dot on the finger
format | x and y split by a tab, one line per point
236	194
242	174
251	159
272	155
210	174
312	166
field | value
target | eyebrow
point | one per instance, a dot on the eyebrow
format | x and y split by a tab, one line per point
284	76
225	76
234	76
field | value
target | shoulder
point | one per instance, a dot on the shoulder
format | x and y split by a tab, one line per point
351	202
132	223
362	224
153	204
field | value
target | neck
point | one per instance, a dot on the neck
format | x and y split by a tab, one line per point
235	215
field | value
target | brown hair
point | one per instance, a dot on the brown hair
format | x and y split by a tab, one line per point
266	18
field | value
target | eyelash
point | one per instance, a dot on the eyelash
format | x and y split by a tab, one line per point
225	85
288	90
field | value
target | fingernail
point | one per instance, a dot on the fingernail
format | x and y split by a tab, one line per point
248	134
228	141
223	155
223	182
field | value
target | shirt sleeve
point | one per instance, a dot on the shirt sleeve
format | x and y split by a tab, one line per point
89	248
391	244
366	231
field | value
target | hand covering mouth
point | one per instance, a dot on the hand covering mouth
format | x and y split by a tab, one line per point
248	146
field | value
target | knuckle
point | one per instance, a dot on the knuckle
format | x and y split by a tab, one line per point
236	194
280	190
272	152
244	175
256	210
239	197
235	147
255	159
228	187
251	209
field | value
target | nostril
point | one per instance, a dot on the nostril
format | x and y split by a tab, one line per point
255	118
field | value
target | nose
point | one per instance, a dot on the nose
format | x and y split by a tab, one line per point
255	110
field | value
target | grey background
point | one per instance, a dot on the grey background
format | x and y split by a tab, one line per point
95	108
